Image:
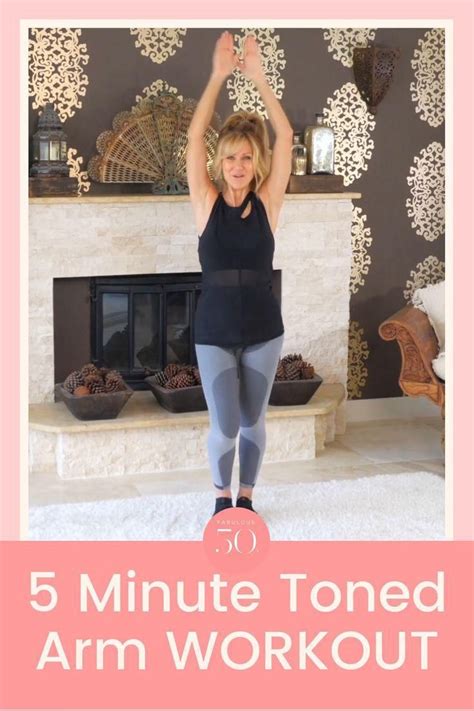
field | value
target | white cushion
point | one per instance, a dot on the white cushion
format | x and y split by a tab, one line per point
430	299
439	366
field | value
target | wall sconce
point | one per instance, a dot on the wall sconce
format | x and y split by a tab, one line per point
373	72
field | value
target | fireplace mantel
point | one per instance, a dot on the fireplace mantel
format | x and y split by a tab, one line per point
91	199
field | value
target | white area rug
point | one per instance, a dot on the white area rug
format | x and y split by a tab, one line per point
384	507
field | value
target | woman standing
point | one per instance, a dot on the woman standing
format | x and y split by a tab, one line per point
238	327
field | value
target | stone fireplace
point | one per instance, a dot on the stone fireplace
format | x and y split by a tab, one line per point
146	235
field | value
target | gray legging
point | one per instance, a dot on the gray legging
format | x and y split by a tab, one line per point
237	383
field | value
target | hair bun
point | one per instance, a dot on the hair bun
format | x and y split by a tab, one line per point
243	121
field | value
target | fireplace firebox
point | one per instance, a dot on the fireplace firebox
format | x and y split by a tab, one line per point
142	323
136	324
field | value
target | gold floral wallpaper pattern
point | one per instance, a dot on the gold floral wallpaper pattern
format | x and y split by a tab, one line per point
430	271
358	353
426	181
75	164
242	91
352	124
395	160
361	241
158	44
56	59
342	41
427	90
155	88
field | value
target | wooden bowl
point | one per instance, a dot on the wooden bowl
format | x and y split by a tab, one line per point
180	399
103	406
294	392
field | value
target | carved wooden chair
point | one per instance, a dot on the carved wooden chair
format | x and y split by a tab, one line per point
419	346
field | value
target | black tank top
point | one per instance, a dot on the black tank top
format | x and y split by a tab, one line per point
237	306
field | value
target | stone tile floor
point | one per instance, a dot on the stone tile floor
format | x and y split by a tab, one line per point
365	449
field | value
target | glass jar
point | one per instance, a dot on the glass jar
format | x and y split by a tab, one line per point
319	141
299	157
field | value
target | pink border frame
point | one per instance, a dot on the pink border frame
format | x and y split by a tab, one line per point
460	11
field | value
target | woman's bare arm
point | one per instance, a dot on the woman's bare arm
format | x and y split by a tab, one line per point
273	189
201	188
196	158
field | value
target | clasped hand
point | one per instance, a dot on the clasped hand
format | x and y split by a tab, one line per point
226	59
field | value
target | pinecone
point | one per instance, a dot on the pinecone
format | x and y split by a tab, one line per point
104	371
197	375
291	357
89	369
95	384
300	365
190	372
280	371
171	370
292	371
181	380
114	382
307	371
161	378
73	381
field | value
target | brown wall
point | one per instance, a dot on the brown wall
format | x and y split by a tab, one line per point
116	73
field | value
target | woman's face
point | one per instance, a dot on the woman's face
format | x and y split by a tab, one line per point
237	166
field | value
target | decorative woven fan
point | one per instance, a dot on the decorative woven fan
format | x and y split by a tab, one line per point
148	145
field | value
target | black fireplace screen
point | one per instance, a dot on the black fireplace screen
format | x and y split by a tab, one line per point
142	323
135	324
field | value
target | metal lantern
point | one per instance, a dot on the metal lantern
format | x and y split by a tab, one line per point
373	72
49	145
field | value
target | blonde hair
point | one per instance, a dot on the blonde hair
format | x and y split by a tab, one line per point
239	127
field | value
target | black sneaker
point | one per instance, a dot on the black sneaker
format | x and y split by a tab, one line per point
244	502
222	502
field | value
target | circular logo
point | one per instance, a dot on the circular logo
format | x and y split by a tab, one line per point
236	539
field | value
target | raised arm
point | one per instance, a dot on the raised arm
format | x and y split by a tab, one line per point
273	189
201	189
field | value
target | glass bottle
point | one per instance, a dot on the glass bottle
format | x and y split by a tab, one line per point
319	141
299	158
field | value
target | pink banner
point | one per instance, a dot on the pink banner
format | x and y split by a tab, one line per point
313	625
